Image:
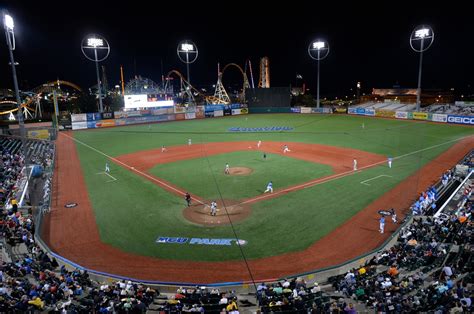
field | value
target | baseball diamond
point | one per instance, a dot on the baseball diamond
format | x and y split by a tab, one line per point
319	214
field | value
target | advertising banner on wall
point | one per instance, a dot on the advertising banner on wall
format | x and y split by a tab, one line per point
227	111
214	107
179	116
200	112
93	116
295	109
439	117
469	120
351	110
235	112
80	117
209	114
146	101
107	115
120	122
105	123
340	110
385	113
190	115
305	110
244	110
91	124
158	112
79	125
369	112
218	113
179	109
39	134
420	115
401	115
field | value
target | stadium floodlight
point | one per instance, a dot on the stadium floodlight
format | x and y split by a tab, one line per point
318	50
10	35
101	50
8	20
420	40
187	53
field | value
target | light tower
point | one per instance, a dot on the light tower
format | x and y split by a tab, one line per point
318	50
420	40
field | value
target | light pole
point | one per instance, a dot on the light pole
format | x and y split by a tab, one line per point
99	44
185	49
418	37
318	50
9	33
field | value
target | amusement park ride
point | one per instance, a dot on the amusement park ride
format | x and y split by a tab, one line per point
185	94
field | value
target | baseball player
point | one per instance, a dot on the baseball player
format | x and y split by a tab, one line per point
107	168
259	143
381	224
264	156
189	142
187	197
363	125
286	149
394	216
389	160
227	169
163	148
269	187
355	164
213	208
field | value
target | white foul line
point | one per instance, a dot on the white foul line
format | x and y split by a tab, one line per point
130	168
382	175
105	172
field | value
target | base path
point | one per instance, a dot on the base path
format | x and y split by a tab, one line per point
72	232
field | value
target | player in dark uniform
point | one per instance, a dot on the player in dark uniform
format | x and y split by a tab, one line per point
188	199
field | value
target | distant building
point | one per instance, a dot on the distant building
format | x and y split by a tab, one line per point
408	96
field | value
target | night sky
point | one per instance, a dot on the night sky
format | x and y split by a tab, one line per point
369	43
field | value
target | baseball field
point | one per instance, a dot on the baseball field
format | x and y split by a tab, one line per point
134	220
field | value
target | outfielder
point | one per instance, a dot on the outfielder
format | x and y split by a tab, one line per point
269	187
213	208
107	168
227	169
355	164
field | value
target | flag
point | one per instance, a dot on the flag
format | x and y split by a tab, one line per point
298	76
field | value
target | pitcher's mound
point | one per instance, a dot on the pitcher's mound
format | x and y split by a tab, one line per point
240	171
201	214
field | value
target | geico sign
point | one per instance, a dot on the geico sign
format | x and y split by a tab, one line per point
462	120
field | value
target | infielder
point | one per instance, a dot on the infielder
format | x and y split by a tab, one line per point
227	169
259	143
269	187
394	216
355	164
107	168
381	224
286	149
389	160
163	148
213	208
189	142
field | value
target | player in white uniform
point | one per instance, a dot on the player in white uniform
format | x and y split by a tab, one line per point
286	149
163	148
189	141
107	169
213	208
259	143
355	164
389	160
227	169
269	187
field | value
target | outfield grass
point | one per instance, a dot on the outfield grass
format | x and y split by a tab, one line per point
205	176
132	212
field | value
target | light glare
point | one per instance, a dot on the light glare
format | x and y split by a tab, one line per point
422	33
318	45
95	42
187	47
9	22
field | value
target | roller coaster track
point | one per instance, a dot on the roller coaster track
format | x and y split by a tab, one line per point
188	87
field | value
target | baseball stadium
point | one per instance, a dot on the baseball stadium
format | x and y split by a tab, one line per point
169	198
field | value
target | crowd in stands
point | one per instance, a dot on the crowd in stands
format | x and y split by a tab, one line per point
429	269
